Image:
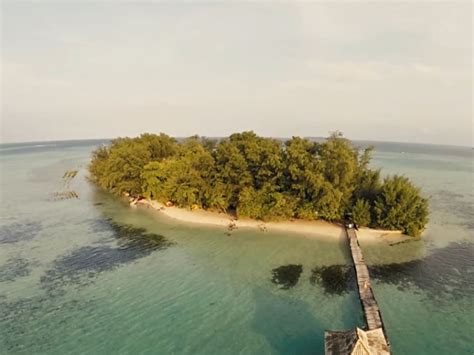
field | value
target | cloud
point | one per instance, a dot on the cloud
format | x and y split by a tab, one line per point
98	69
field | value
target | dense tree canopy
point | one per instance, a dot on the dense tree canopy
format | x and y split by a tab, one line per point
261	178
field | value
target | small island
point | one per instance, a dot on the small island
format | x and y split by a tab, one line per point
262	179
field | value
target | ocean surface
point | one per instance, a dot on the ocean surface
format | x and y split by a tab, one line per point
91	275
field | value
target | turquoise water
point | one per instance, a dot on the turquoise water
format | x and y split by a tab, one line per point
91	275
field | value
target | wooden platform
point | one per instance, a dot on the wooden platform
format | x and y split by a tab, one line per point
356	342
374	340
366	294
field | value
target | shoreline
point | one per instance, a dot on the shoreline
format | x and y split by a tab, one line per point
310	229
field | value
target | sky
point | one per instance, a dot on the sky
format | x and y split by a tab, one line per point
386	71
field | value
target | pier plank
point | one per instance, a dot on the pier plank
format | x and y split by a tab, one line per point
367	297
346	342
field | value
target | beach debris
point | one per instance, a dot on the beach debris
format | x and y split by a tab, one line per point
169	204
134	201
262	227
139	200
231	226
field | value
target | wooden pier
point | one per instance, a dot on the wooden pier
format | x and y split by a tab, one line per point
374	339
372	314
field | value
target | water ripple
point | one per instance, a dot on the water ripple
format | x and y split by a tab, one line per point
447	271
18	232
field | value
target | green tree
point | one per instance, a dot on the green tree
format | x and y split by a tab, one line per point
265	204
301	167
400	206
160	146
124	165
339	160
249	204
262	157
184	179
154	176
98	166
232	172
261	178
367	185
361	212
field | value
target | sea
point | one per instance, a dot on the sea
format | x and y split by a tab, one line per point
91	275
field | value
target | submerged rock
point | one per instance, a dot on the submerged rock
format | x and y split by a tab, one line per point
447	271
18	232
335	279
287	276
83	264
20	316
457	205
13	269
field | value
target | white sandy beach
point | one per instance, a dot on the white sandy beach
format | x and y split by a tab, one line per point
313	229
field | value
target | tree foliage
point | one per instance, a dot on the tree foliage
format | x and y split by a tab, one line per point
261	178
361	212
399	205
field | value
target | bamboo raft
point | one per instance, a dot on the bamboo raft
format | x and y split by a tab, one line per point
67	194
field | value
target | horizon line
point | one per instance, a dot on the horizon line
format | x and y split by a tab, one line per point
204	136
183	137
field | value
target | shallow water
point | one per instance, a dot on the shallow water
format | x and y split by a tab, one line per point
91	275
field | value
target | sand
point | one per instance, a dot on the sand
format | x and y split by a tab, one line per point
311	229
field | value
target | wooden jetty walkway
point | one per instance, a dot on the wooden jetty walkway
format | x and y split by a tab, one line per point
373	340
372	314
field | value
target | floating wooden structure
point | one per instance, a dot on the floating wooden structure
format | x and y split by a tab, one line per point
65	195
372	341
70	174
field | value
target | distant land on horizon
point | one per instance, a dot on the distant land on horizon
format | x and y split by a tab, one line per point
390	146
313	138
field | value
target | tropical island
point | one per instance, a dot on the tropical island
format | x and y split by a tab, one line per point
260	178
